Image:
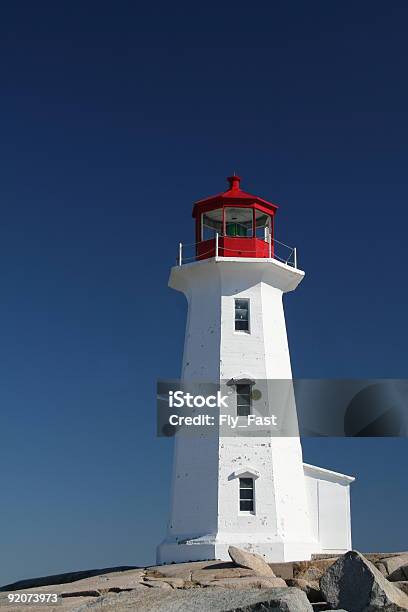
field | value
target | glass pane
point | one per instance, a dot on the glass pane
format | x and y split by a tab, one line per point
246	494
243	400
263	225
211	223
242	314
243	393
238	222
246	483
241	325
241	306
243	411
246	505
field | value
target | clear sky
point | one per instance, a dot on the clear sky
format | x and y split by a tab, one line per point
114	118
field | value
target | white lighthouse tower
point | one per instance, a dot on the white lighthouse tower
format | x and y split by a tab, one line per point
254	492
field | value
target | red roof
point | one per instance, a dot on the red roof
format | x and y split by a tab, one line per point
233	195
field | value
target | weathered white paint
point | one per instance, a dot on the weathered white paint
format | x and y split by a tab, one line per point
205	517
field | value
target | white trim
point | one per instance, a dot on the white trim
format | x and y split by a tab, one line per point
316	472
278	263
273	272
243	471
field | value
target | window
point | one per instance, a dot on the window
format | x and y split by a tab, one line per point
242	315
238	222
211	224
263	225
243	399
246	494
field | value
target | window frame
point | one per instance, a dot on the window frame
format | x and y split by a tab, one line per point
238	384
242	331
246	488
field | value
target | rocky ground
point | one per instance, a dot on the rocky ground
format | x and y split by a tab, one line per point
353	582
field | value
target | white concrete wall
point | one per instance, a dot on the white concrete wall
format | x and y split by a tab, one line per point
205	516
194	489
281	517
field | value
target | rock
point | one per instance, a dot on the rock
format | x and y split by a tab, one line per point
247	582
157	583
94	586
313	570
377	557
402	585
312	589
323	607
392	564
65	578
118	581
176	583
89	593
64	605
218	574
381	568
355	584
400	574
250	561
282	570
183	570
204	600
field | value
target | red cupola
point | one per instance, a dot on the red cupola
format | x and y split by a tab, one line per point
241	223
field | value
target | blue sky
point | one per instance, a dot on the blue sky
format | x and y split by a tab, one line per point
114	119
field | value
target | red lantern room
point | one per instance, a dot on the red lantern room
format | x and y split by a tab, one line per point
234	224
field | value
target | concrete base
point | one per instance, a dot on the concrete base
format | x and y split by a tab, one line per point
209	548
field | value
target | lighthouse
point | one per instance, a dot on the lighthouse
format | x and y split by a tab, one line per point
251	491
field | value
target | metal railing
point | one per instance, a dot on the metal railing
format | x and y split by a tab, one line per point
276	250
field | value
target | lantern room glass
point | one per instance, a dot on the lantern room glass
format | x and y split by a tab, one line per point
263	225
211	224
238	222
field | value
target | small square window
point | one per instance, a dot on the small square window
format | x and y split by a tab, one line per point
242	315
